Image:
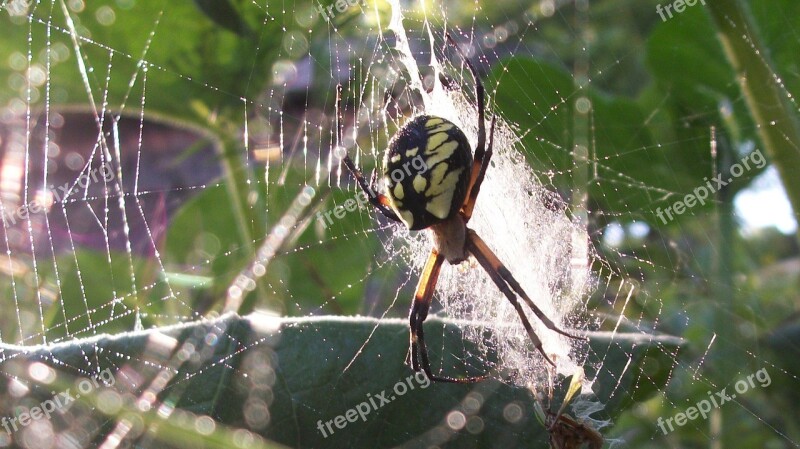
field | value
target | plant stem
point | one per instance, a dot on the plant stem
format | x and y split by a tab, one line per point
764	93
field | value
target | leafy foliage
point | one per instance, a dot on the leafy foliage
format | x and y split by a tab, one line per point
300	365
651	119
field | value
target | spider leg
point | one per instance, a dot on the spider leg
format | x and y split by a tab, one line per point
480	97
417	315
503	271
476	178
378	200
506	283
486	260
482	153
509	279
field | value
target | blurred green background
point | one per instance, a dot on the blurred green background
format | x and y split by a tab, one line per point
227	110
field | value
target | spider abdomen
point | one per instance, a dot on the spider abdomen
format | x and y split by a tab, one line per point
427	170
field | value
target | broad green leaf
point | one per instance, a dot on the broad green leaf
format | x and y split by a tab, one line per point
696	88
311	267
175	48
540	99
286	378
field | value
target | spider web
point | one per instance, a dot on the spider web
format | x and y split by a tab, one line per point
119	248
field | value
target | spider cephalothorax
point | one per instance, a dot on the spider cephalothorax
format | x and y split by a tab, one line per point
432	182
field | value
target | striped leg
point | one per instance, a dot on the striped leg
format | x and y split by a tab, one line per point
378	200
508	285
482	153
419	311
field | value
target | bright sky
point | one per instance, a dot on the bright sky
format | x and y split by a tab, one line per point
764	203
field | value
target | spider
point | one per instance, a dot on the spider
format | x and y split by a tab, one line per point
567	433
441	199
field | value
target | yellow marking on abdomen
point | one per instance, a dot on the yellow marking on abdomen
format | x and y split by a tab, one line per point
398	191
441	190
420	183
444	151
433	122
441	183
434	141
441	128
439	206
406	217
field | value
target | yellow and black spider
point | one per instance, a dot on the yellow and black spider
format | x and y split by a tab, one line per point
441	198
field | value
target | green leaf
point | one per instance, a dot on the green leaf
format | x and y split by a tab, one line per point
186	63
308	371
539	98
224	14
